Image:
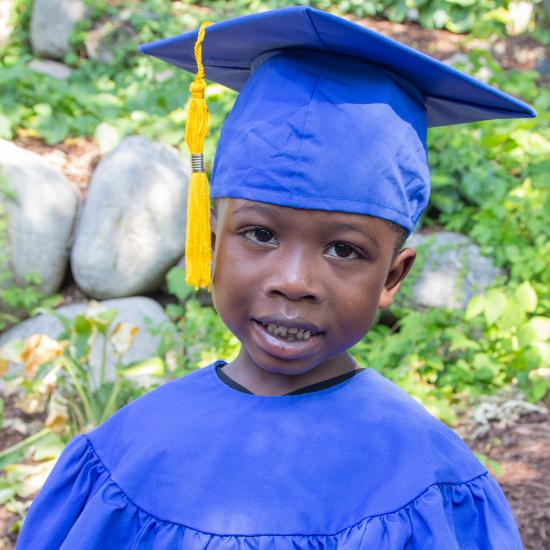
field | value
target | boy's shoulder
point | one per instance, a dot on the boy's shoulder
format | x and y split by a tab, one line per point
418	436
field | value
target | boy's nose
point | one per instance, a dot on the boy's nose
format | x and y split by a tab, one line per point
294	277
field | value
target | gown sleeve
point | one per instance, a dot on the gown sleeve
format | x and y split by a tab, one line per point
75	478
466	516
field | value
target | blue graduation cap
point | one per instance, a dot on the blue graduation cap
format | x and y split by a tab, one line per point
330	116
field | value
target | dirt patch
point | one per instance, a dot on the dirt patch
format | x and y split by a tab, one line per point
523	453
514	52
17	426
76	158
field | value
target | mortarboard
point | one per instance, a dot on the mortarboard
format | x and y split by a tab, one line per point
330	116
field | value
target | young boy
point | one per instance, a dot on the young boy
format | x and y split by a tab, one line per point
320	174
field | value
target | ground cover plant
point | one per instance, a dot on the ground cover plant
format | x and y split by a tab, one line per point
489	182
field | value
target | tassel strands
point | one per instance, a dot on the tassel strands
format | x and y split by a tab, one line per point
198	241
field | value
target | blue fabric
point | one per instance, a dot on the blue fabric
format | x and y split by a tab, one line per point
331	116
196	464
321	131
231	47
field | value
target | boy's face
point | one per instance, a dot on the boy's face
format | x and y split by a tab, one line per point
300	287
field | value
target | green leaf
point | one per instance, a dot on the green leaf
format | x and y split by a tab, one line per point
484	367
102	319
539	388
475	307
489	463
527	335
48	447
83	336
8	489
460	342
153	366
492	140
175	280
5	127
541	328
513	315
527	296
495	304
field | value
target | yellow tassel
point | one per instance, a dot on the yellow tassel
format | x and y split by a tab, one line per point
198	243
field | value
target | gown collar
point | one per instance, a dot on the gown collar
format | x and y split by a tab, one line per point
324	384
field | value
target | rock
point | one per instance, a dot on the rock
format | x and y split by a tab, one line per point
40	217
451	271
56	70
5	26
132	228
520	17
52	22
103	42
543	66
130	310
461	60
116	36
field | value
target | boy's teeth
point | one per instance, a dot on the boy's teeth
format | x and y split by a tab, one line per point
288	333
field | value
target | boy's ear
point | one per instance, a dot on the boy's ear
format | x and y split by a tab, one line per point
213	228
399	269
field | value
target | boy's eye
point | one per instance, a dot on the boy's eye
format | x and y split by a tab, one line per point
259	234
342	250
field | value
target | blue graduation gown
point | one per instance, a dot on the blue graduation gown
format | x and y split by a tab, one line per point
197	464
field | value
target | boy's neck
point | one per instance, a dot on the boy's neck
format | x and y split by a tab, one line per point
259	381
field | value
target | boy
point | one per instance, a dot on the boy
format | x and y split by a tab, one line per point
291	446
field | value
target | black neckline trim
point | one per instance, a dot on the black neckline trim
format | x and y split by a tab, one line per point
324	384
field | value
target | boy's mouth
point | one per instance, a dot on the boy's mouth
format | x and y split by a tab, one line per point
290	340
288	333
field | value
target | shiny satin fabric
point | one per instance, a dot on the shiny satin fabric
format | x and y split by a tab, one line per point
196	464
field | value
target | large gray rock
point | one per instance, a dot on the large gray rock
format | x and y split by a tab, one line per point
103	42
52	22
450	272
54	69
132	228
130	310
117	35
41	215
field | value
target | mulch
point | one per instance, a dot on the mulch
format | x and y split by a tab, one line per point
76	158
523	453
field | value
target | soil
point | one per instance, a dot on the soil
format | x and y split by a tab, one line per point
76	158
515	52
9	437
523	453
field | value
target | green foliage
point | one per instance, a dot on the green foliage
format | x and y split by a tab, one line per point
193	337
447	358
59	373
490	181
459	16
133	94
